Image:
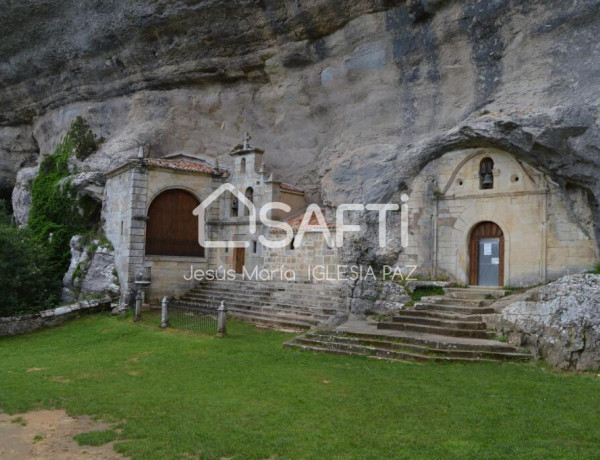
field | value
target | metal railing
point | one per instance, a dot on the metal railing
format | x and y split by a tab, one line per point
209	320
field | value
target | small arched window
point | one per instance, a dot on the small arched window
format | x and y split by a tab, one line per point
234	206
243	165
172	228
250	195
486	174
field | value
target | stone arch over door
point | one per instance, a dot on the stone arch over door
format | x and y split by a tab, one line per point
485	231
172	228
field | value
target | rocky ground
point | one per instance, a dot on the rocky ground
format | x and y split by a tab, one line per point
48	434
559	322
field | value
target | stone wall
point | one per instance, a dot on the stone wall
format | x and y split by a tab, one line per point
117	218
313	254
48	318
129	193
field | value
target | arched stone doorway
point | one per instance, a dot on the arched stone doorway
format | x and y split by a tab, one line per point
486	255
172	228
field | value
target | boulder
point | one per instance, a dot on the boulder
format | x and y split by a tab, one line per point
91	271
560	324
377	297
21	195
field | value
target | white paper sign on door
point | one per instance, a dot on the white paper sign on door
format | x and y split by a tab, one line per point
495	261
487	249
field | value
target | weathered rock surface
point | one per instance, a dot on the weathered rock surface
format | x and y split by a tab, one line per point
17	150
91	272
371	297
21	195
560	322
350	98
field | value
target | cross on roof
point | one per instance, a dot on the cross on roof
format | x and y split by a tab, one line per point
247	138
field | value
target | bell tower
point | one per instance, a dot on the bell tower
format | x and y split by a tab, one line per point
248	160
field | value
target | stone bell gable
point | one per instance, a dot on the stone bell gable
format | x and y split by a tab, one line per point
542	229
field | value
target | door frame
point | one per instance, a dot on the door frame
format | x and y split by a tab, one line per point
239	260
485	229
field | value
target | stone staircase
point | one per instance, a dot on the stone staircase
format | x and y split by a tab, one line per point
440	328
286	305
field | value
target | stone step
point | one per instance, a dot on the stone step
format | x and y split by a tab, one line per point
225	289
214	303
279	304
226	297
275	285
259	304
303	297
477	293
508	354
217	291
425	329
438	314
312	315
284	311
403	351
437	342
267	314
378	353
273	320
454	308
334	352
323	305
439	322
452	301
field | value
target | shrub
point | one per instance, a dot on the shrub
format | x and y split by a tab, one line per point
26	277
426	291
83	140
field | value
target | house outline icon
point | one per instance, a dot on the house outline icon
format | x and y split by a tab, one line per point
200	211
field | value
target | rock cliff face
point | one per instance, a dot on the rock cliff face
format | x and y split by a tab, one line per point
350	98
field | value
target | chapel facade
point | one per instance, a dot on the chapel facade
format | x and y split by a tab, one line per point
476	216
148	215
481	216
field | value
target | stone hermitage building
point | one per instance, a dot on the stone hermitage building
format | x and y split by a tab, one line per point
476	216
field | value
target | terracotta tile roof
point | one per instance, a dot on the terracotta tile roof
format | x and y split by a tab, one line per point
290	187
182	165
294	220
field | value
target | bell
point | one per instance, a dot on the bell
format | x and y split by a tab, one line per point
487	179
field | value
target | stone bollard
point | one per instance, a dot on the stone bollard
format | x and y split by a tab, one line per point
137	316
164	313
222	320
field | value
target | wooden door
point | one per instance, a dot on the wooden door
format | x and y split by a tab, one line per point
172	228
240	253
485	231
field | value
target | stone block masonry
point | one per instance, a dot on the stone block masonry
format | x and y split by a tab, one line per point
25	324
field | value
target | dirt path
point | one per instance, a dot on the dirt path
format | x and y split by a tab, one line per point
48	434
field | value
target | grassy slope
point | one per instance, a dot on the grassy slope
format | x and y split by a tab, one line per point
181	393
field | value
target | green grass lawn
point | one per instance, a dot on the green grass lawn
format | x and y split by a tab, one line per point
179	394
